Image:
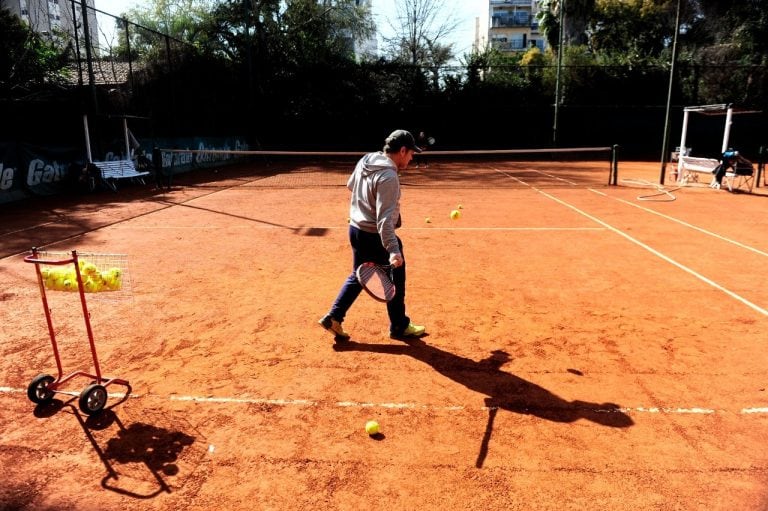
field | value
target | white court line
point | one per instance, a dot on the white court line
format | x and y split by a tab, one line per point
655	252
686	224
503	228
754	410
27	228
694	410
198	227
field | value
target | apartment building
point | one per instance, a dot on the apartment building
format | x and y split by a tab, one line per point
54	17
514	26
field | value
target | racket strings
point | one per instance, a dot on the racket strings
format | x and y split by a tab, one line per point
376	281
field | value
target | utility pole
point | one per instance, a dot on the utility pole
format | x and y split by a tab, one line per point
559	67
665	141
89	56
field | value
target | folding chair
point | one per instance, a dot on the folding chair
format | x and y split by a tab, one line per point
741	176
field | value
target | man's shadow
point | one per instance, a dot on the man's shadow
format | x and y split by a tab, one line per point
504	390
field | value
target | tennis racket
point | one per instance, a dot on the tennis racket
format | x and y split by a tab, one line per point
376	279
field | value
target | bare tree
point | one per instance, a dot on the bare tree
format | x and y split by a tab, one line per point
419	27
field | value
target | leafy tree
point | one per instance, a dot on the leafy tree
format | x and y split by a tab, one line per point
631	30
29	60
576	16
182	20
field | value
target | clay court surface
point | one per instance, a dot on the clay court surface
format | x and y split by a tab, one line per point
587	349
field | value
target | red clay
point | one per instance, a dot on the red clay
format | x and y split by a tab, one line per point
586	350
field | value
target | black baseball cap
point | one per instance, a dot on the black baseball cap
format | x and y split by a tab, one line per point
398	139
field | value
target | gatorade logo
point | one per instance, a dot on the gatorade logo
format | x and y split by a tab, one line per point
39	172
6	177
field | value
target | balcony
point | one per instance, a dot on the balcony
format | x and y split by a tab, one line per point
511	21
512	2
516	45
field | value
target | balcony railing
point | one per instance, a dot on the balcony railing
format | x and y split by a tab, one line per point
509	45
511	2
510	21
517	45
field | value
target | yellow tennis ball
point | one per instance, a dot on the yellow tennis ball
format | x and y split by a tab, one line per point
459	207
371	427
88	268
455	214
93	284
54	281
428	220
113	279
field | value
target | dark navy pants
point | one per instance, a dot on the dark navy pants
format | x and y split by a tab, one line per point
366	247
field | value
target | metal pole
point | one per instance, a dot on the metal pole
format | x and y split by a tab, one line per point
683	152
665	141
89	56
557	76
87	138
727	131
127	143
77	46
128	51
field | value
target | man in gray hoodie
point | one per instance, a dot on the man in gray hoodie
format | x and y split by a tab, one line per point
374	214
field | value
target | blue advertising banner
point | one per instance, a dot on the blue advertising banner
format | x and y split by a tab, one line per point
178	162
10	183
28	169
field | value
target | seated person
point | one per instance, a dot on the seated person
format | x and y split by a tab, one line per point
735	162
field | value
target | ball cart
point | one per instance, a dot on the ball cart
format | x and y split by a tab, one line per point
105	274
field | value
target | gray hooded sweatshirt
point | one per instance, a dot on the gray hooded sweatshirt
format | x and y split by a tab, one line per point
375	202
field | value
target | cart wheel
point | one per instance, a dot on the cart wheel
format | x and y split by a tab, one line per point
93	398
38	392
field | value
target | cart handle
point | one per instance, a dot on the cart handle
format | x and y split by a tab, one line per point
33	259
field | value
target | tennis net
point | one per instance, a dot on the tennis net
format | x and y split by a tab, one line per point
507	168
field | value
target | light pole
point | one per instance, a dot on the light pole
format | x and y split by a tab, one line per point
557	74
665	141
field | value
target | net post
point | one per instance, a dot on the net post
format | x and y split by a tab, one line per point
760	164
614	176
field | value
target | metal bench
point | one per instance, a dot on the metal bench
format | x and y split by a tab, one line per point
112	171
690	167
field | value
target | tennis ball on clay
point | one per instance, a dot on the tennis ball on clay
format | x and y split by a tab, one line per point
455	214
428	220
459	207
371	427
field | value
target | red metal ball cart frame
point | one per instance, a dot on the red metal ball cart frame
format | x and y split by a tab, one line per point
43	387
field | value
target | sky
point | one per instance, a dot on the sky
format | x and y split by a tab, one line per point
465	13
